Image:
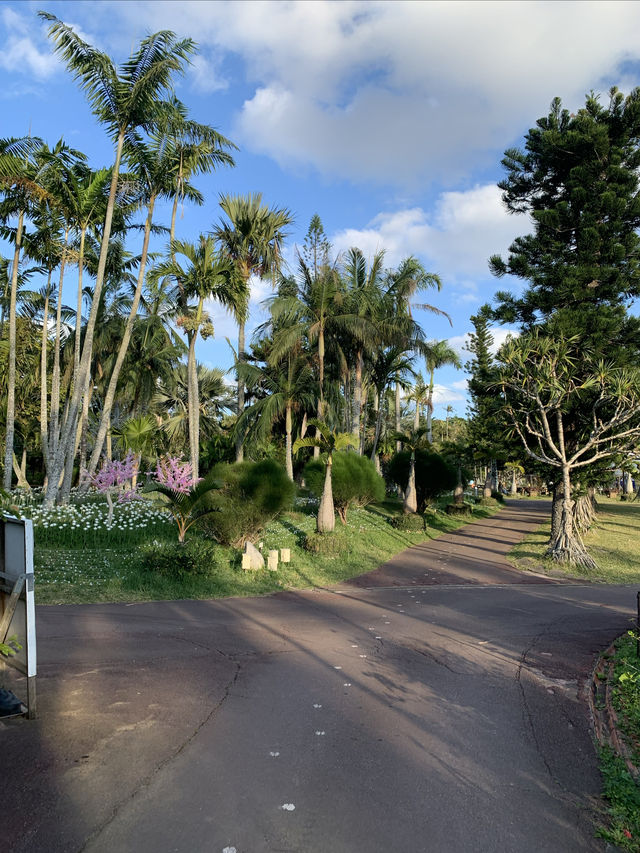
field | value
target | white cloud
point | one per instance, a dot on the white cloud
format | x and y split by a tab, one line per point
400	93
404	92
454	241
20	52
205	73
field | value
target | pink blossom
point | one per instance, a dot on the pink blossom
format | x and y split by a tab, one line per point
174	474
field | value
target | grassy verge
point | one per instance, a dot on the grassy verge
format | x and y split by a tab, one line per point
117	573
621	785
614	543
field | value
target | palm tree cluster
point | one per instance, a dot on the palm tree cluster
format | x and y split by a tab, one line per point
117	370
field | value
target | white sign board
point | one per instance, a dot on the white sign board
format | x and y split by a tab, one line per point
17	602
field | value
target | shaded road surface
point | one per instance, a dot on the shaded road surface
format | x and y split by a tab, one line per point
435	705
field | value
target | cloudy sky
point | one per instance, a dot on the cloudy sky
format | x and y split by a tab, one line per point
388	119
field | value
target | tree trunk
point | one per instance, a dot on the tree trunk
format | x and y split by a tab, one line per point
416	417
410	504
21	470
376	438
628	485
193	397
486	492
430	409
69	430
54	420
514	483
11	373
567	546
288	443
357	394
397	401
44	429
110	396
239	442
326	516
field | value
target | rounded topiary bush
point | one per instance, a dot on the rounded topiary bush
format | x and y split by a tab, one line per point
250	495
354	481
327	544
434	475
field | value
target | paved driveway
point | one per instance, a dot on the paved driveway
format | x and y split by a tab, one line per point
435	705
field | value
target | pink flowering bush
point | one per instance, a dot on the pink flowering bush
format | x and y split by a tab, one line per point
114	475
174	474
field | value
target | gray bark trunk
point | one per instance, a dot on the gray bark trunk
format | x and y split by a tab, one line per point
68	433
410	504
11	373
326	514
122	351
239	441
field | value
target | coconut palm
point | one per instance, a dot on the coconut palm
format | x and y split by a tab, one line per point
288	388
123	100
208	275
251	238
328	441
437	354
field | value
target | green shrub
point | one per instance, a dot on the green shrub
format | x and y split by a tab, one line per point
354	481
411	521
434	475
497	496
251	494
328	544
177	560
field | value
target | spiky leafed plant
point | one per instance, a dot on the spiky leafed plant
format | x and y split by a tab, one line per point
252	238
187	503
437	354
123	100
328	441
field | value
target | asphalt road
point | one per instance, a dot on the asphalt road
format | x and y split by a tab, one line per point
435	705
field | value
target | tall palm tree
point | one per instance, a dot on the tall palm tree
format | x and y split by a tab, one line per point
18	177
437	354
252	238
328	441
208	275
288	387
391	364
123	100
402	286
420	395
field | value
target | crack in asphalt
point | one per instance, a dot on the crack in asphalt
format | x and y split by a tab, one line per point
148	779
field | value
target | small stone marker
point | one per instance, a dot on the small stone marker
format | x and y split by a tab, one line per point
272	562
252	559
285	555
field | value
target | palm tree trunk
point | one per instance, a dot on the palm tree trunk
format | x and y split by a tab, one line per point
514	483
430	410
193	399
416	417
54	421
76	348
410	504
239	441
44	430
122	351
21	470
69	429
376	438
316	450
11	373
357	394
288	442
326	514
397	401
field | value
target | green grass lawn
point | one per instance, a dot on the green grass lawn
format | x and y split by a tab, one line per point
71	568
614	543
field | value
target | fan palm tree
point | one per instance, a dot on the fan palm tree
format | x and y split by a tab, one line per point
123	100
252	239
209	275
328	441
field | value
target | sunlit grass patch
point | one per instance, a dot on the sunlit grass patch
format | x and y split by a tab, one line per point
613	541
68	571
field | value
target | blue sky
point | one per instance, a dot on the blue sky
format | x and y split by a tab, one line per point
388	119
